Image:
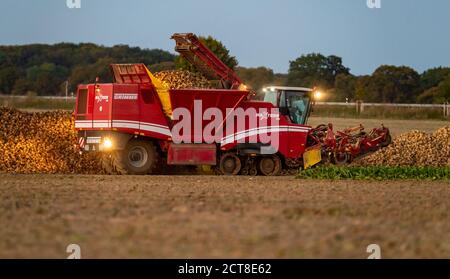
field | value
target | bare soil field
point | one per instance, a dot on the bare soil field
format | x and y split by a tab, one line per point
217	217
396	127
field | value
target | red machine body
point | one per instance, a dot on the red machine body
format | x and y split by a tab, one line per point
137	130
129	122
128	108
135	109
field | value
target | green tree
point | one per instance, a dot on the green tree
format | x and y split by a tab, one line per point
392	84
280	79
2	58
256	78
43	68
163	66
432	77
361	87
88	73
315	69
217	47
8	76
438	94
21	86
344	87
46	78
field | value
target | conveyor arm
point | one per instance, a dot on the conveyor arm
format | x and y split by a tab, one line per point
194	51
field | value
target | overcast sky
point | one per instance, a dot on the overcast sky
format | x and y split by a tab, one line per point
268	33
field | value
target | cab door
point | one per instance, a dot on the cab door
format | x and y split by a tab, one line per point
101	113
296	107
84	106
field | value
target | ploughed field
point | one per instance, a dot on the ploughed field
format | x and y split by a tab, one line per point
216	217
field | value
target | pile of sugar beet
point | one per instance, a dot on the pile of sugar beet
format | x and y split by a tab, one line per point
414	148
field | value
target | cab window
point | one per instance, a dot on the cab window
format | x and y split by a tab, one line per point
271	97
298	105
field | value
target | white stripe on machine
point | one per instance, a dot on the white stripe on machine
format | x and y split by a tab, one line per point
262	130
127	124
164	130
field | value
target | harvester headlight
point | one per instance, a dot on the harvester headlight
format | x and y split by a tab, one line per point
318	95
107	143
243	87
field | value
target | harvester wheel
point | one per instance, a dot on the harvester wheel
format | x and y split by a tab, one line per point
341	158
244	171
230	164
270	165
139	157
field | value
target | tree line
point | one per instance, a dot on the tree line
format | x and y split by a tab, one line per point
387	84
45	69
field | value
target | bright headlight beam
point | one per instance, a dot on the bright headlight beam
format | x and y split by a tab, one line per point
317	95
107	143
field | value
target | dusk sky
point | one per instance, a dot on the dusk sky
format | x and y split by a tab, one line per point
267	33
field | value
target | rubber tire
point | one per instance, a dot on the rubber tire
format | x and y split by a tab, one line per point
276	169
253	172
236	170
119	164
347	159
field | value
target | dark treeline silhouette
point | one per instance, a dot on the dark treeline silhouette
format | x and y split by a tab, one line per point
44	70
